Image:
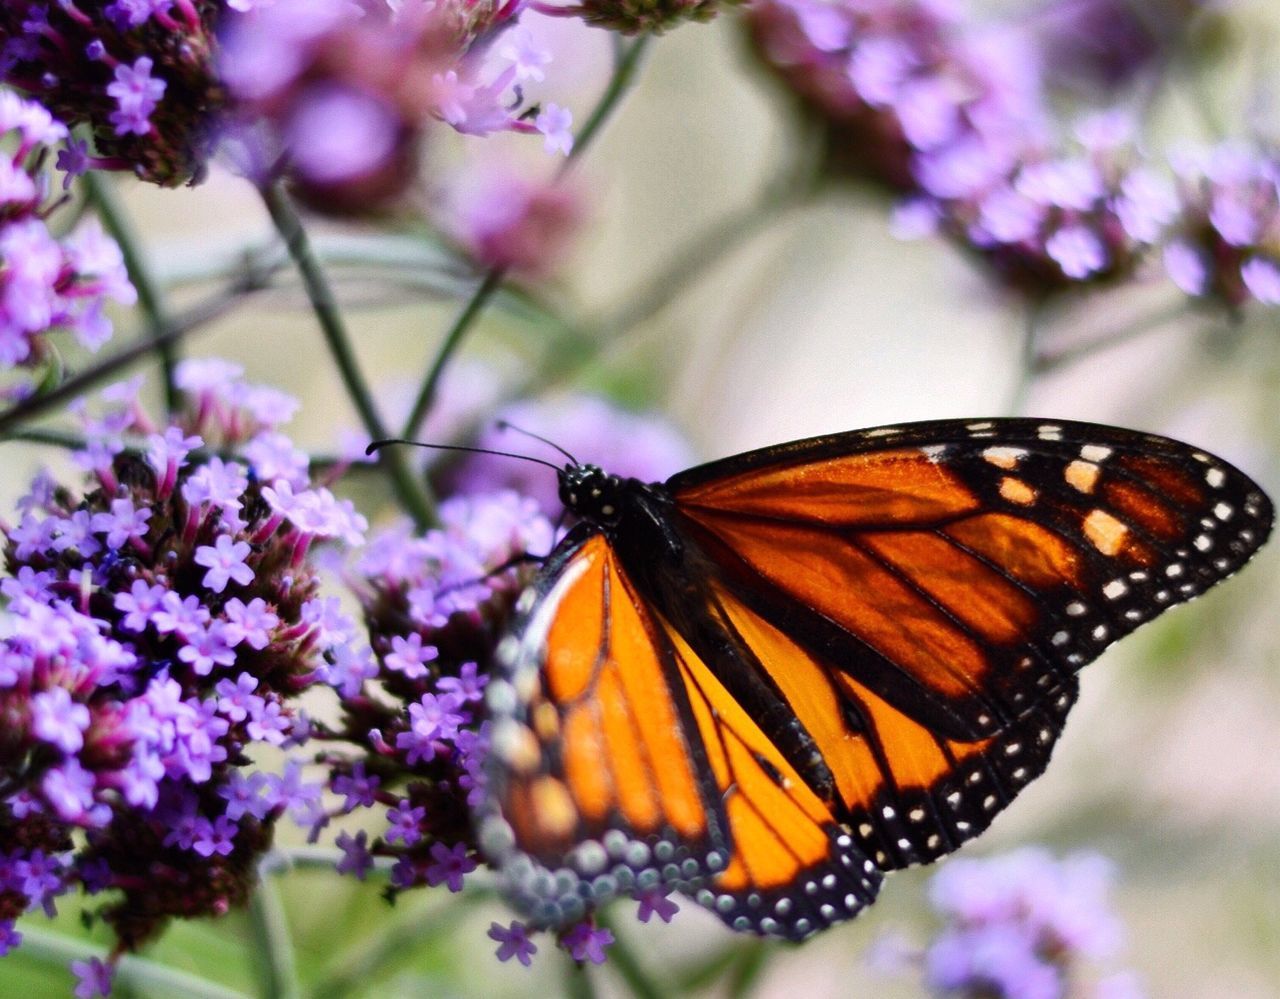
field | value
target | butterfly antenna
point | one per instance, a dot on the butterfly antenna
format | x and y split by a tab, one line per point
386	442
504	425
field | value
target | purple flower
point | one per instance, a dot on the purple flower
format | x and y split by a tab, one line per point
356	858
467	686
216	836
359	789
585	942
405	823
656	902
94	978
137	94
513	941
58	720
409	656
9	937
1000	959
225	560
449	864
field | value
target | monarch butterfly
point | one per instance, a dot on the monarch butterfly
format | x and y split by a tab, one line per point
774	678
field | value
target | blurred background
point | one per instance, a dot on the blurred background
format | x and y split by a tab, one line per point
789	320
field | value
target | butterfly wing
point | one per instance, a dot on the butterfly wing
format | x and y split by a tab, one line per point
597	783
620	763
920	598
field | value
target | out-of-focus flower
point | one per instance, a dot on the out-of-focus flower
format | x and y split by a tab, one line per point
893	81
47	283
139	73
641	446
159	625
342	94
634	17
1226	244
1018	926
1057	217
1102	44
508	220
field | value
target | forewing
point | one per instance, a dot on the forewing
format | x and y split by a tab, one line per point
598	781
961	573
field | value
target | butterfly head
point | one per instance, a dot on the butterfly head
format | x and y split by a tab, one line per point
592	493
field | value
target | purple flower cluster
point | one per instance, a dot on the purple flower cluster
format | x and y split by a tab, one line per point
46	282
341	94
159	626
641	446
434	605
1021	926
139	73
1226	244
956	118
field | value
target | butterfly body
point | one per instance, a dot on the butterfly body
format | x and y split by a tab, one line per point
773	678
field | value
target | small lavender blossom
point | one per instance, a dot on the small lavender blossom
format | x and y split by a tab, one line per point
585	942
94	977
513	941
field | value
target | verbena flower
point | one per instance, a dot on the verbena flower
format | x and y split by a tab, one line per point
1056	215
592	429
508	220
1226	243
138	73
1018	926
891	81
342	95
47	282
160	624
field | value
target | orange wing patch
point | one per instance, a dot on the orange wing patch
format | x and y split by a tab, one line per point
598	774
868	598
793	869
900	486
908	795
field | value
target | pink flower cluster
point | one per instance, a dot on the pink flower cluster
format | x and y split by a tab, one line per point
342	94
46	282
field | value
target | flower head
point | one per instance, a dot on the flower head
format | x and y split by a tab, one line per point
138	73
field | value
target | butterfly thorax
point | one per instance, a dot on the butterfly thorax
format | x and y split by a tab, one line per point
632	513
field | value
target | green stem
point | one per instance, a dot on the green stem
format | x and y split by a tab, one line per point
626	65
1044	363
625	69
577	981
453	339
410	488
1033	320
278	967
150	296
108	367
414	928
623	960
137	972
